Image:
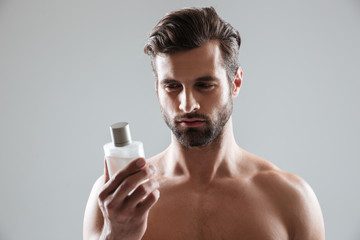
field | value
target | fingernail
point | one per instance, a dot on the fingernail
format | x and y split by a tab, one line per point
140	162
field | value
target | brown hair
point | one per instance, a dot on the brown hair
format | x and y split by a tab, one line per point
189	28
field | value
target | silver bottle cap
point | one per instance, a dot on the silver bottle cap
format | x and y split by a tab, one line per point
120	134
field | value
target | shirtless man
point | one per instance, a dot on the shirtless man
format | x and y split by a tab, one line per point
210	187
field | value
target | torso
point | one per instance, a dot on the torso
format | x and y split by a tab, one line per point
238	207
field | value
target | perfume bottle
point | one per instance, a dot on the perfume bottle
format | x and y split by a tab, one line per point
122	150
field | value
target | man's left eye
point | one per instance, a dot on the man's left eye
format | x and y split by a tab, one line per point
204	85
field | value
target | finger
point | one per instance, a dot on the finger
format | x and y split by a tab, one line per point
141	192
148	202
106	172
117	179
134	181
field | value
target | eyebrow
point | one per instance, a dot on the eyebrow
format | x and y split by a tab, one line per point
206	79
167	81
199	79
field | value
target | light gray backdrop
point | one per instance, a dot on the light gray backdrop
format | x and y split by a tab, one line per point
69	69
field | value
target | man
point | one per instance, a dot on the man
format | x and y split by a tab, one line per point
210	187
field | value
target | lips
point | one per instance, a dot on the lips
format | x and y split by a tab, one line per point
191	122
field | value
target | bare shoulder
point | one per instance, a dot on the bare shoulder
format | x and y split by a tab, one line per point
293	198
158	158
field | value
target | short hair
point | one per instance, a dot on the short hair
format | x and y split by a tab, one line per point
190	28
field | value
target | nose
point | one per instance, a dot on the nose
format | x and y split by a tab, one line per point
188	102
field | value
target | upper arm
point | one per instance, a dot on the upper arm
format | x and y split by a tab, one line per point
295	202
93	218
308	218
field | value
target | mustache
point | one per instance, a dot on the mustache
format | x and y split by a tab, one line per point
192	115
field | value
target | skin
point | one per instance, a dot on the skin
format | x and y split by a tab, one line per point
216	191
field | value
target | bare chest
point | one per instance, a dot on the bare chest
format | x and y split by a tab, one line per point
216	213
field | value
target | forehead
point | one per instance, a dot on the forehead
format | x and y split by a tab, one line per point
191	64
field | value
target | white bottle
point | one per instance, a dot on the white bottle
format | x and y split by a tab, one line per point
121	151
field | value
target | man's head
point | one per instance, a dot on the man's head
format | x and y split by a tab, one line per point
190	28
194	56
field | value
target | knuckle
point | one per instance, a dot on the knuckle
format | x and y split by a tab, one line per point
117	175
142	189
152	196
127	185
109	205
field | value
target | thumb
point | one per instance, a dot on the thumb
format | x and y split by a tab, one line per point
106	171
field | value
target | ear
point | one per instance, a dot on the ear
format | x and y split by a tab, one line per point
237	82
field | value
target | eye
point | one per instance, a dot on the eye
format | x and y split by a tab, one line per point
205	85
172	86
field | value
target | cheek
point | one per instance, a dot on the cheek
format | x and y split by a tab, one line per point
215	101
226	94
167	104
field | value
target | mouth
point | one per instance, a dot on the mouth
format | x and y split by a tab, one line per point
191	122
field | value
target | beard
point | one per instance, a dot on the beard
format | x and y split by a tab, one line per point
203	135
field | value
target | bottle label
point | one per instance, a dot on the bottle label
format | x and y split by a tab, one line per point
115	164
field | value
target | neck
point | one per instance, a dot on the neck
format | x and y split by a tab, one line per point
204	164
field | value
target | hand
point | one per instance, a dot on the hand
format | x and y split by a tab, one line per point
125	216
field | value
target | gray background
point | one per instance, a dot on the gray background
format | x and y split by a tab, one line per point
69	69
